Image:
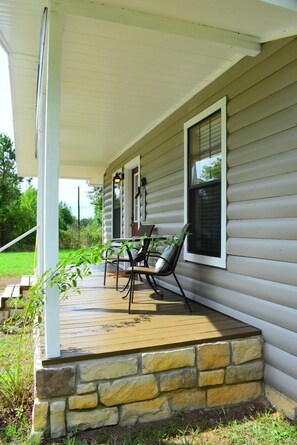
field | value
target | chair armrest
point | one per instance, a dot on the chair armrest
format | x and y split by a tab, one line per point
145	256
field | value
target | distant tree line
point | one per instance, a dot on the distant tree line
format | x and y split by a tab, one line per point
18	209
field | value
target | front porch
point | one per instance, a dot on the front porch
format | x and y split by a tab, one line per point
117	368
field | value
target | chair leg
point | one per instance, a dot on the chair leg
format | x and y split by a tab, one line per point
126	288
182	292
131	293
117	273
105	271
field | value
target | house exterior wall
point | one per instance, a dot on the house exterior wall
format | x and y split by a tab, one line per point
258	285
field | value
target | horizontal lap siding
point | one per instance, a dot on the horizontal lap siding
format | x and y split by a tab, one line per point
263	228
259	284
262	213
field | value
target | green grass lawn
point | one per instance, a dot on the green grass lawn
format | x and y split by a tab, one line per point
258	428
263	428
16	264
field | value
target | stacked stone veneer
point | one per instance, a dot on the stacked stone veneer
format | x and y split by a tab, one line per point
146	386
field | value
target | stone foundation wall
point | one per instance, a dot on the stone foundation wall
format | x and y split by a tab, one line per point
146	386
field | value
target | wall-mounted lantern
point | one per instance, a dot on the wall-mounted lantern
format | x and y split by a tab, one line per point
118	178
143	183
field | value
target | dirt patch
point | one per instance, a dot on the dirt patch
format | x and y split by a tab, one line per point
7	280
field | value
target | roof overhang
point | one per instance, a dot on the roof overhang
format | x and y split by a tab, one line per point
126	65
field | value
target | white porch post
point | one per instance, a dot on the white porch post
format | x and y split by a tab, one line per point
51	180
40	192
40	132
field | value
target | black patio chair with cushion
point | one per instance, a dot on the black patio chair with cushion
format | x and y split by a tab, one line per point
112	257
165	265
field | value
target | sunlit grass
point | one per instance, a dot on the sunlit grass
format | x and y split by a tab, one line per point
16	264
264	429
258	429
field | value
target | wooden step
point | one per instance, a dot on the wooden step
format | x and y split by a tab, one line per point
27	281
11	291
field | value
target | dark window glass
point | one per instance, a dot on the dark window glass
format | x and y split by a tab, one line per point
204	187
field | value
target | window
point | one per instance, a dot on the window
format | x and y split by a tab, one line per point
205	186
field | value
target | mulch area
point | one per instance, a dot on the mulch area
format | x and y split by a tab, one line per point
8	415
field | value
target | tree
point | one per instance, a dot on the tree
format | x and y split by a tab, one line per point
28	207
96	199
211	172
9	191
67	232
91	228
66	219
28	216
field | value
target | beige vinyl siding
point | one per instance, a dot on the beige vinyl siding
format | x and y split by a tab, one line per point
263	228
269	146
259	285
276	81
284	206
284	184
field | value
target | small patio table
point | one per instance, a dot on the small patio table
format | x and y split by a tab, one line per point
141	255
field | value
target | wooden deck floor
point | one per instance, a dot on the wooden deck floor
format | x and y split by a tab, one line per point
96	323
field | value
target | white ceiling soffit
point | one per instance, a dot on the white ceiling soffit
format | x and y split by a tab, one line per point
126	64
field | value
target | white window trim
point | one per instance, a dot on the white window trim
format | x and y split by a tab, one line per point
127	194
203	259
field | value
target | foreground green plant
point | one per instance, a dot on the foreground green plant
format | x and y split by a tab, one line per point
16	371
18	432
16	368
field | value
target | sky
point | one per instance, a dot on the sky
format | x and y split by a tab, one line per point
68	188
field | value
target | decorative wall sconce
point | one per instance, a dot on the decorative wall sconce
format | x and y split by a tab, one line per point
118	178
143	184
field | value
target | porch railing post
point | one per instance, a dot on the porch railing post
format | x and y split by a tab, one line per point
51	180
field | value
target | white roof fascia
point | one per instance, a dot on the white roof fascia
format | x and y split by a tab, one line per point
246	44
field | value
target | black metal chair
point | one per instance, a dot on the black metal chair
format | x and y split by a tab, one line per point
165	265
112	257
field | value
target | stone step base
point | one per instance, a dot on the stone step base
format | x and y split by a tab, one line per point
149	386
